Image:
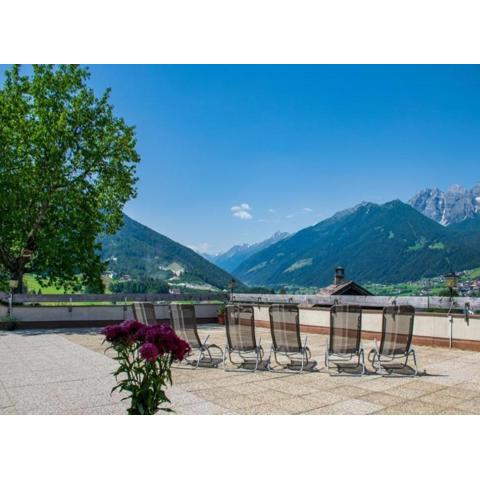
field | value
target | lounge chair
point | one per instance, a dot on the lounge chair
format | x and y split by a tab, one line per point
241	340
184	322
344	342
286	341
396	341
144	312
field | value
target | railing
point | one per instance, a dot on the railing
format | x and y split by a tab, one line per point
71	311
425	303
113	298
470	303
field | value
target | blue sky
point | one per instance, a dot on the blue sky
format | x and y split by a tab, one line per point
231	154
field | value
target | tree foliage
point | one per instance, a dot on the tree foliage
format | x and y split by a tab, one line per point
67	167
143	285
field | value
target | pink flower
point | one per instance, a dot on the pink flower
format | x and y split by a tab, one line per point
126	333
114	333
180	349
132	326
153	340
149	352
167	341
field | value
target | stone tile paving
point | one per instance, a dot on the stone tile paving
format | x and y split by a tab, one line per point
44	373
67	372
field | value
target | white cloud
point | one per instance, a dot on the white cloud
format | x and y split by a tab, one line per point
307	210
290	216
242	211
243	215
272	210
200	248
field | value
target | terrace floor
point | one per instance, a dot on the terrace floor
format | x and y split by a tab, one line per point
67	372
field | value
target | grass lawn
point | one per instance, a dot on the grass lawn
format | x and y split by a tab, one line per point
473	274
34	286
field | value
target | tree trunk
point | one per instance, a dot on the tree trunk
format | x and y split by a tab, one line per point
18	276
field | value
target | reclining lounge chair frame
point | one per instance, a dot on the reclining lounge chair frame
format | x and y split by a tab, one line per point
144	312
184	322
344	342
286	341
241	340
396	340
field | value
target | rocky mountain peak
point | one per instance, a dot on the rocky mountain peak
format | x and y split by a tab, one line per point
457	189
452	206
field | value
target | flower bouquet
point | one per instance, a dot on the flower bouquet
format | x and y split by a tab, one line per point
145	355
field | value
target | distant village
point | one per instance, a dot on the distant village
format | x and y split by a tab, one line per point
468	285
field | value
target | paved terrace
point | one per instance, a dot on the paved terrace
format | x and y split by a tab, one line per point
67	372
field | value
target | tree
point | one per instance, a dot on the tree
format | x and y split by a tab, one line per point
67	167
259	290
446	292
142	285
3	280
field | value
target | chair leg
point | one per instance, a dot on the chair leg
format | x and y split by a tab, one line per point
362	356
269	361
327	347
200	356
304	353
380	368
414	361
327	364
225	358
209	354
257	359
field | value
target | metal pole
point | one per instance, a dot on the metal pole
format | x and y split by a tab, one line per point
10	304
125	309
450	319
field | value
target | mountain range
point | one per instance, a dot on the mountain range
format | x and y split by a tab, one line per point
434	233
453	206
137	251
385	243
233	257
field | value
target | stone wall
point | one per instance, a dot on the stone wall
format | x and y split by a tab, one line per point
429	328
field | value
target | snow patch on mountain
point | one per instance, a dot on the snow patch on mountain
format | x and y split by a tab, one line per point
452	206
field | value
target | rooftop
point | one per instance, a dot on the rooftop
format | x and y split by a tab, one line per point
67	372
343	286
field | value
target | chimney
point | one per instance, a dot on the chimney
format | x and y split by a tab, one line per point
339	275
